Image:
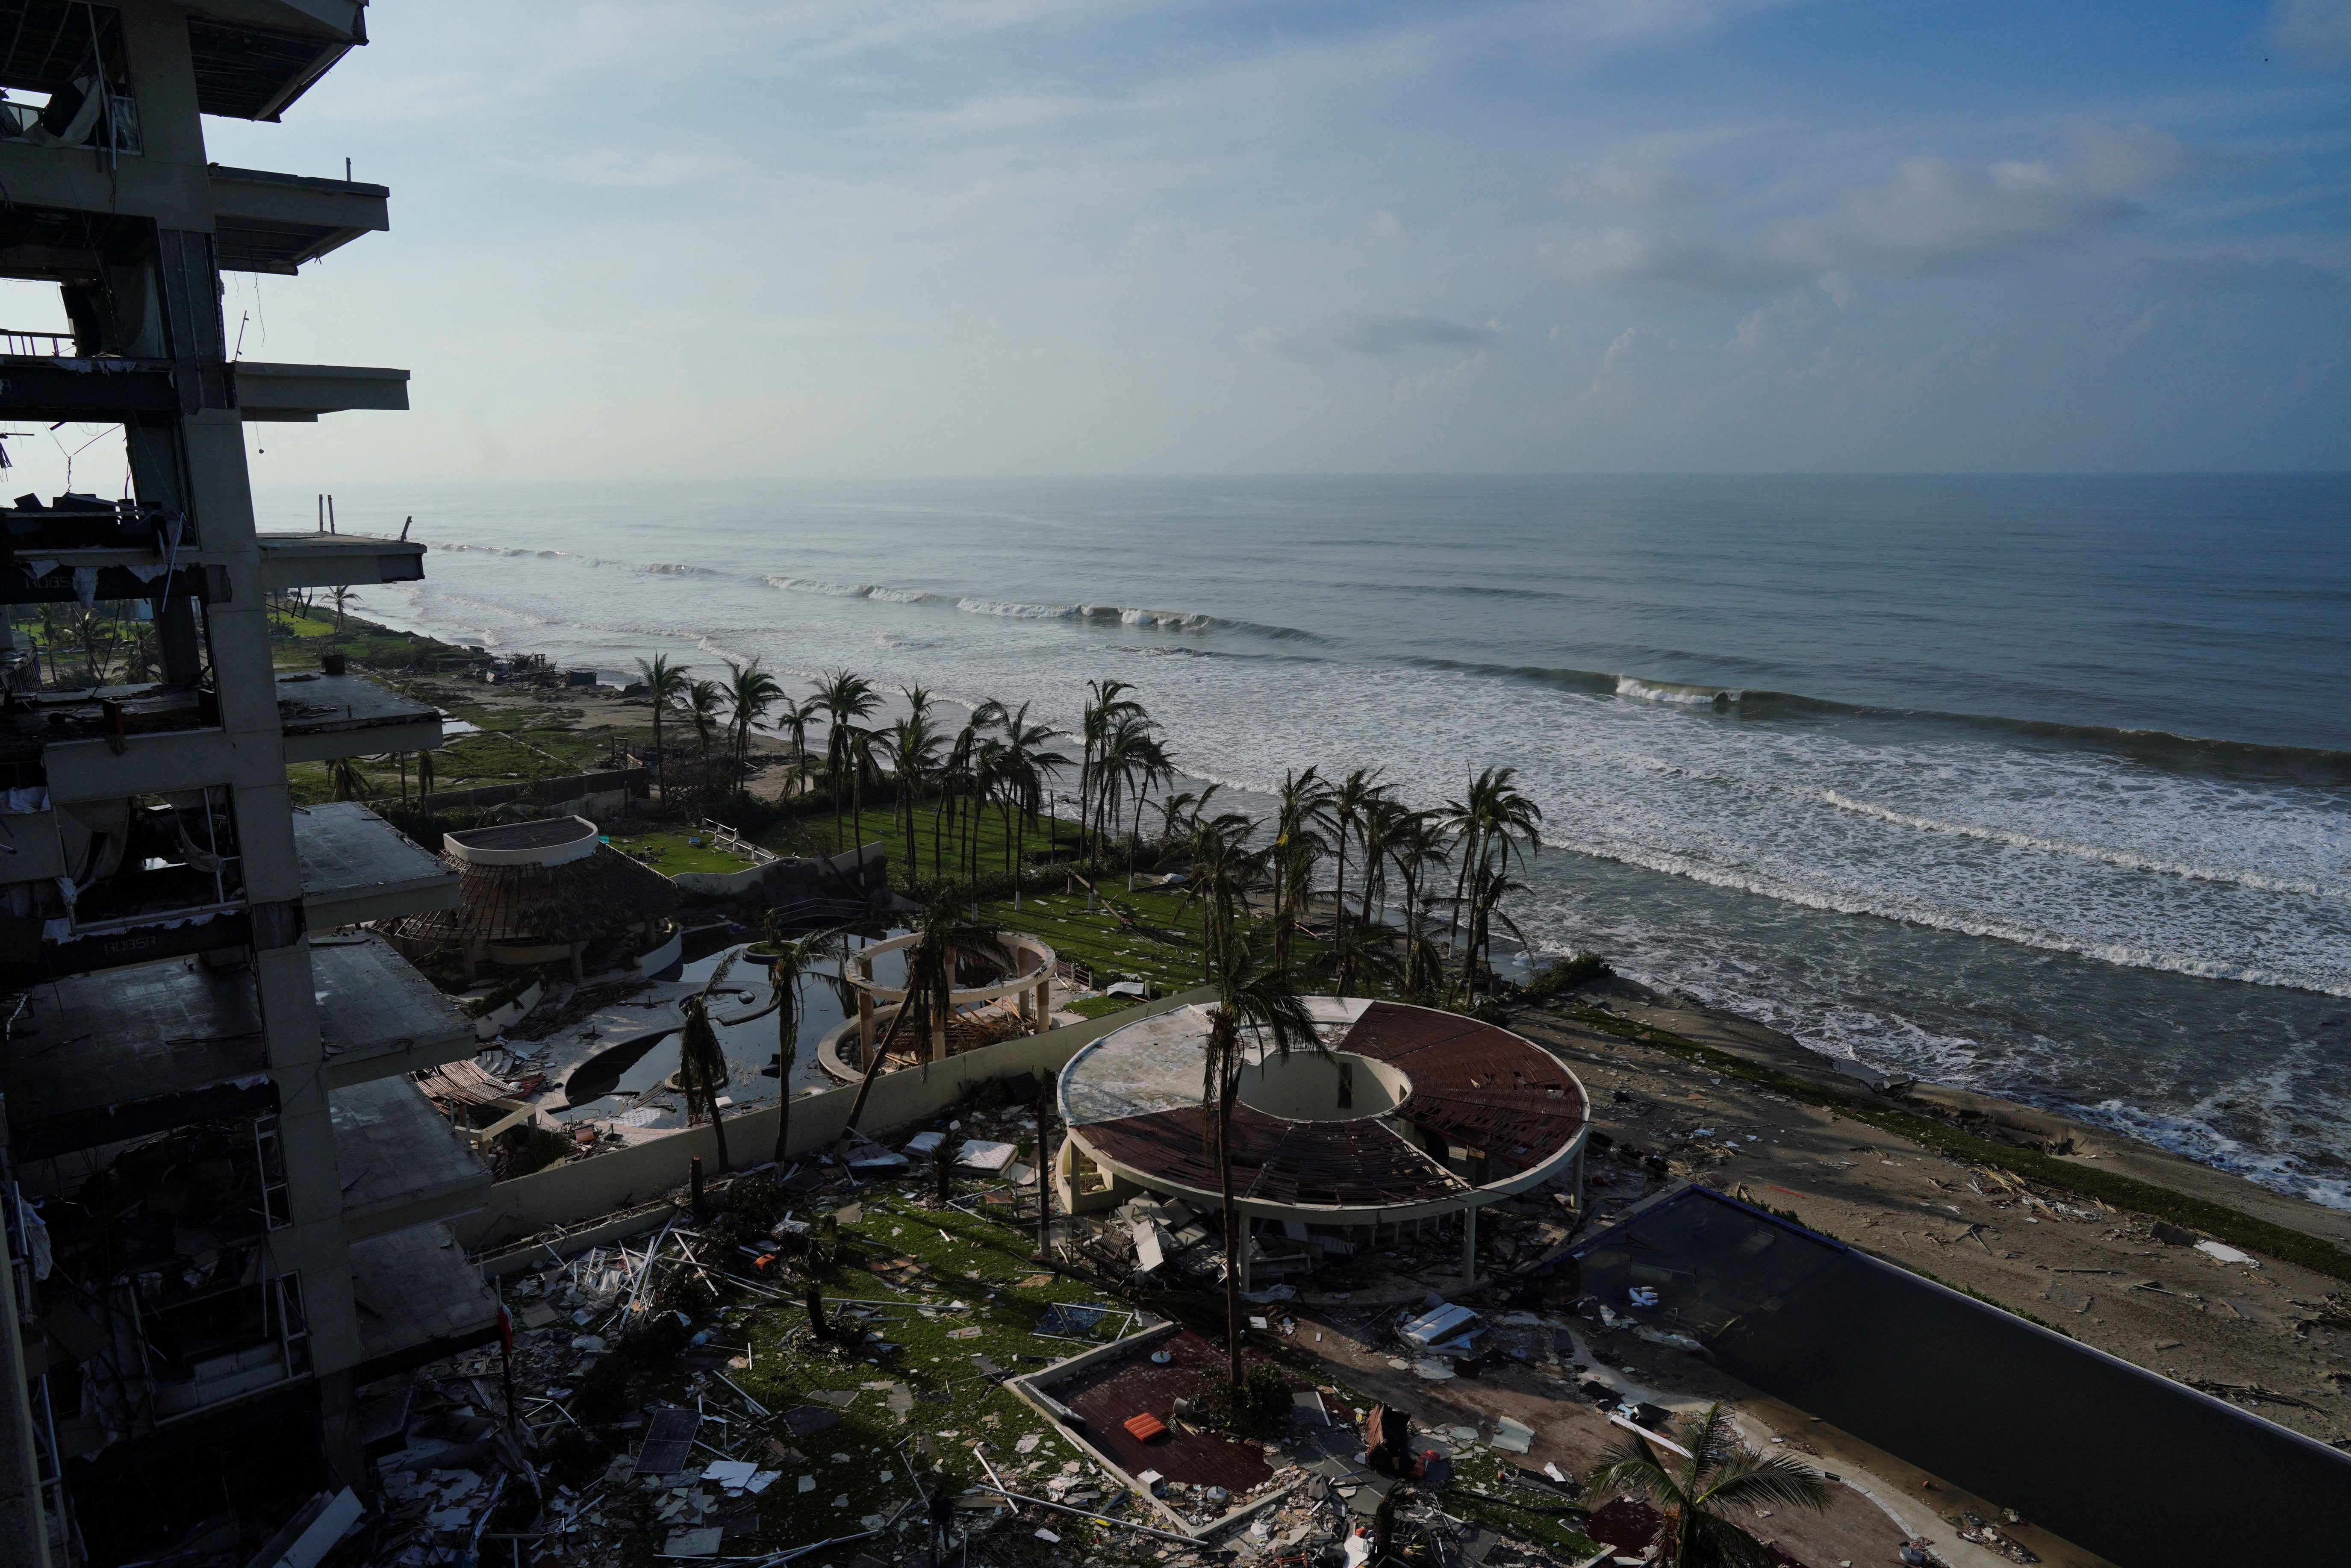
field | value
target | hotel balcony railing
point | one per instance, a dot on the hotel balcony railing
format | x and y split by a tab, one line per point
18	345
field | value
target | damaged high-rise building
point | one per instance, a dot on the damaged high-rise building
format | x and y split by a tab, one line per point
223	1190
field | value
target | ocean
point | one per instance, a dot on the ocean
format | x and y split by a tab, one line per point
2037	785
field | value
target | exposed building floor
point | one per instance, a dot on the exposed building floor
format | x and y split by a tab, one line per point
401	1162
415	1287
91	1044
372	1004
357	866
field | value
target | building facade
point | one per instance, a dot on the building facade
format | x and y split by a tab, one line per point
224	1193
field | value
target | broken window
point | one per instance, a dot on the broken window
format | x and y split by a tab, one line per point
69	80
150	857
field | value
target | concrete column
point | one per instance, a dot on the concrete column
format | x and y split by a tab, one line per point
1468	1248
865	1027
1045	1004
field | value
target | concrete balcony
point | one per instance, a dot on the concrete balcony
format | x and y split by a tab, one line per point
356	867
326	716
303	392
95	1059
274	222
377	1018
335	560
418	1300
402	1163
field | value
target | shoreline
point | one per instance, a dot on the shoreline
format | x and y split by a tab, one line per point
2067	1225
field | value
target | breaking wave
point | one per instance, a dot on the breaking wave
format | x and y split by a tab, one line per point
1676	692
2310	886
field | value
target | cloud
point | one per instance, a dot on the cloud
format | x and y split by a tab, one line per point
1004	112
2316	32
1385	230
1935	215
2235	275
1632	185
1638	257
1380	337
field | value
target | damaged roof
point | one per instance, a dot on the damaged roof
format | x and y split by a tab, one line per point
1479	1098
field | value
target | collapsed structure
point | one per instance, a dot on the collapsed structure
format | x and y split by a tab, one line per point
543	891
1405	1117
221	1189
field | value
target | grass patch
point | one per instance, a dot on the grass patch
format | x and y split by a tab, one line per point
2121	1191
671	850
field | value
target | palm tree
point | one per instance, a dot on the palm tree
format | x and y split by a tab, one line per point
1494	811
1149	765
1302	807
750	692
792	721
1694	1493
1416	848
1105	709
942	933
701	1061
959	778
1023	764
1223	866
1348	804
785	971
705	704
912	744
665	683
843	697
1254	991
342	597
1380	820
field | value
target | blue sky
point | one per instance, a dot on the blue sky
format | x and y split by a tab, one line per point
710	239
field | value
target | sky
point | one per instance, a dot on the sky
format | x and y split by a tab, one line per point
710	239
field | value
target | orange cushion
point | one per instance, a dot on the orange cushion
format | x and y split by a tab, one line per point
1145	1428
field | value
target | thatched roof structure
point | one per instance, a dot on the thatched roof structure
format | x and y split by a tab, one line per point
541	883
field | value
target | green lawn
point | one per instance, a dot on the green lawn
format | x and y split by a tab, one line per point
670	853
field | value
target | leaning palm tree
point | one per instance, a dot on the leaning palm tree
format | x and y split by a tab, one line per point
1254	992
1695	1492
702	1061
665	683
944	935
785	971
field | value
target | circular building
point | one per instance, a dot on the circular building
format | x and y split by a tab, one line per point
1407	1116
540	892
1013	997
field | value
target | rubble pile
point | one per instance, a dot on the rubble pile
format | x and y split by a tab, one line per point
817	1365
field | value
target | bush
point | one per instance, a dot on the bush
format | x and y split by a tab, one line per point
1569	974
1258	1407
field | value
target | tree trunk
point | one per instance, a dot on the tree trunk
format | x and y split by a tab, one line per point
1044	1168
1233	1239
873	1069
